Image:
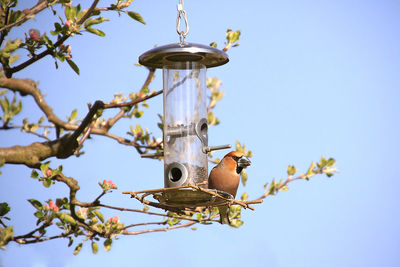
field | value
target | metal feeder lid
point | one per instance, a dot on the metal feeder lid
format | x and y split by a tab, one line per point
171	54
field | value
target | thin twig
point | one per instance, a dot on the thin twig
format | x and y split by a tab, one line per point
143	224
27	14
19	241
48	51
4	33
159	229
149	212
95	202
133	102
122	112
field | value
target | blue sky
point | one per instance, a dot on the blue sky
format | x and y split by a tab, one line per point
309	79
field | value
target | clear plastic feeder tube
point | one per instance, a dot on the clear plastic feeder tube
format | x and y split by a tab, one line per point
185	124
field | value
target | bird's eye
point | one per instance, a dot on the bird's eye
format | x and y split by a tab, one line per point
235	158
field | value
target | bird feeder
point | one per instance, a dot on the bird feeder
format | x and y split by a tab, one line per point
185	108
185	130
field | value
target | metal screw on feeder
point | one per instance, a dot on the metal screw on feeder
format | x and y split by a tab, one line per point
185	129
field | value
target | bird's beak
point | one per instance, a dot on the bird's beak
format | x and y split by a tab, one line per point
243	162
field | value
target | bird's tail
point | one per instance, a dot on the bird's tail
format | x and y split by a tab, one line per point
223	215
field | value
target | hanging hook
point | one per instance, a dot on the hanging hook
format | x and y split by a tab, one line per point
181	15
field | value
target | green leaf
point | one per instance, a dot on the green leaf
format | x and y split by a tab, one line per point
5	104
35	203
108	244
329	174
95	21
95	247
73	116
291	170
95	31
10	47
173	221
310	170
5	236
136	16
67	218
71	240
38	214
78	248
13	59
244	177
199	217
323	162
72	12
232	36
234	211
58	27
272	187
99	215
244	196
138	113
213	44
57	171
285	188
73	66
44	167
236	223
4	208
331	162
14	16
47	183
34	174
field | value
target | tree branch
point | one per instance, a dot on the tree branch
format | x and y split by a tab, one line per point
38	240
28	87
9	71
33	154
28	14
64	147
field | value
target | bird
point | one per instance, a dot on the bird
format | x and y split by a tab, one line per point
226	176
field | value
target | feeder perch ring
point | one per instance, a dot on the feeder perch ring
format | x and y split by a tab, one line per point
192	198
183	198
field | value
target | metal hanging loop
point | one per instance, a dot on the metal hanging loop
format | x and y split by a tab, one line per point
181	15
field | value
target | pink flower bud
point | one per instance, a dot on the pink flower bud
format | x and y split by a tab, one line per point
114	219
53	206
69	49
48	173
67	56
139	134
62	46
140	94
68	23
34	35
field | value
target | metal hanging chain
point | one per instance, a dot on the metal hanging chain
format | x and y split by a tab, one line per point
181	15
